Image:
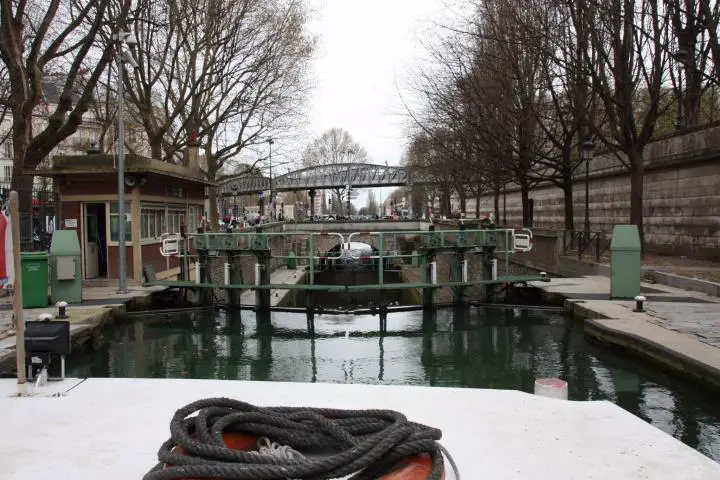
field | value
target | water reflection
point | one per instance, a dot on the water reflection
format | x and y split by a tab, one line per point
461	348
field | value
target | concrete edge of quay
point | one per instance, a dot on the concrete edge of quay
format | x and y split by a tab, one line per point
685	283
685	366
615	327
84	327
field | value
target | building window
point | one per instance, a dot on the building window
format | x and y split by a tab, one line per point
115	225
175	218
8	172
193	218
152	221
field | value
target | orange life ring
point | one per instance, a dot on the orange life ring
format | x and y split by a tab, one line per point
416	467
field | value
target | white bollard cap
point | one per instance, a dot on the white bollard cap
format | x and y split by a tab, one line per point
61	304
551	388
640	298
45	316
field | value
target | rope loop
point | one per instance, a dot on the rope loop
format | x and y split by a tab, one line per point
292	443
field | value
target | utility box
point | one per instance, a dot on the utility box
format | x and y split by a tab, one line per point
65	267
34	267
625	262
292	261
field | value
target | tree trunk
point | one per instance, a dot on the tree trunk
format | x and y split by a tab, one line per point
212	171
525	196
463	201
23	184
496	205
477	203
445	207
156	147
567	187
637	172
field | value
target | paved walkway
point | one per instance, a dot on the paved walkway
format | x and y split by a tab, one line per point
679	328
692	313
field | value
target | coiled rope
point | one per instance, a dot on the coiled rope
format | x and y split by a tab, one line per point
300	443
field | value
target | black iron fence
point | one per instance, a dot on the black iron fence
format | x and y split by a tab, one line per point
39	208
586	243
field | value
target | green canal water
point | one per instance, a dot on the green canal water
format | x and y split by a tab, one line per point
506	349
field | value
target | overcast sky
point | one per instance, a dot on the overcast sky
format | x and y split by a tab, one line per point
364	47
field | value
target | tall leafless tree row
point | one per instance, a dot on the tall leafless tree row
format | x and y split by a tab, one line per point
516	88
225	73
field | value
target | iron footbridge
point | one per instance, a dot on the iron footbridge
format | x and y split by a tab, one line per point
324	177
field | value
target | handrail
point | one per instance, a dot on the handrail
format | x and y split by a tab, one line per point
585	240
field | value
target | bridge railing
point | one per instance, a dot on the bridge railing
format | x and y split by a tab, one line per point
326	248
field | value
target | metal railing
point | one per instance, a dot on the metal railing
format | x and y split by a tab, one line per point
38	208
594	243
313	249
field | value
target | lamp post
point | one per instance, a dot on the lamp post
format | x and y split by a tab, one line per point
235	210
680	57
122	38
587	152
348	152
270	142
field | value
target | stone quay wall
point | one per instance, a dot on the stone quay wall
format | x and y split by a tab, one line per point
681	200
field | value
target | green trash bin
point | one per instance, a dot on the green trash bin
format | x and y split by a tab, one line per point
292	261
34	268
625	262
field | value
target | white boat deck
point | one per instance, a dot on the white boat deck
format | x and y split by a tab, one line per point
112	428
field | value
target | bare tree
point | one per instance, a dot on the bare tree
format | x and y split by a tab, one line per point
628	41
39	36
562	113
5	122
371	205
691	58
336	150
227	74
709	13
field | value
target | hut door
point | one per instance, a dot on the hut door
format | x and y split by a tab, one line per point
94	239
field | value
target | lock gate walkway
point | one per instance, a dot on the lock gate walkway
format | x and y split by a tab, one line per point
477	258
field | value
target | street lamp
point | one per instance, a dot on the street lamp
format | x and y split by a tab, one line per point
680	56
235	210
587	153
122	38
348	152
270	142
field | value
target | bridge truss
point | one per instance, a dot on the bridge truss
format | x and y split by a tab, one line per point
324	177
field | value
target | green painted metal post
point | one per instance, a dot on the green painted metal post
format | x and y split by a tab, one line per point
508	246
457	267
205	294
182	252
311	259
461	240
428	293
381	263
487	257
235	279
427	261
262	295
